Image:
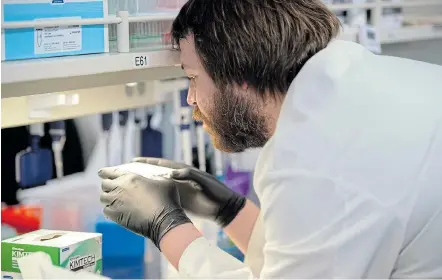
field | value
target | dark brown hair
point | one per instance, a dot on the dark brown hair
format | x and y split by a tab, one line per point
263	43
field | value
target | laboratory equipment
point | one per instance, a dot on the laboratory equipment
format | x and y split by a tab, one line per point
369	38
153	35
106	124
170	5
245	161
150	35
123	119
392	18
65	204
201	145
151	139
140	124
123	251
53	40
130	150
21	219
186	121
357	16
219	164
134	7
223	241
238	181
57	130
128	133
115	141
34	165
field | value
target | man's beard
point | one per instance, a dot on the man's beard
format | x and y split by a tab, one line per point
234	123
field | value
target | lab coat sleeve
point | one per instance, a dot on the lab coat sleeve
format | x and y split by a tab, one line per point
201	259
254	257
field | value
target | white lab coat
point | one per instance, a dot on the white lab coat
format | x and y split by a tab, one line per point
350	184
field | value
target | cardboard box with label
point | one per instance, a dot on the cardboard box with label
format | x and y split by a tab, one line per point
75	251
53	39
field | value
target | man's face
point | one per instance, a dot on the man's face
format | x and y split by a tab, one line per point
233	116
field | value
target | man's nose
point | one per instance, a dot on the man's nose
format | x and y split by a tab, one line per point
191	96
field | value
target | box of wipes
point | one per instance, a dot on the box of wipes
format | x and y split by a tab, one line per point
75	251
54	39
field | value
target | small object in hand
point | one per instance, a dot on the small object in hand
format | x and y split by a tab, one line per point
146	170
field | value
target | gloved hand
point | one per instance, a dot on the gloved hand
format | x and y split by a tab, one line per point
147	207
208	198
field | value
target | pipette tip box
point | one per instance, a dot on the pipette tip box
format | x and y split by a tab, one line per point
53	40
75	251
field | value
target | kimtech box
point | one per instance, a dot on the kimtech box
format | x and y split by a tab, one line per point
70	250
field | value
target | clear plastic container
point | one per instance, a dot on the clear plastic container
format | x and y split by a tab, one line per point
168	5
134	7
75	210
149	36
146	6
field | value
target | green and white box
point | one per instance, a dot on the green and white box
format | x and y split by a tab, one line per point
70	250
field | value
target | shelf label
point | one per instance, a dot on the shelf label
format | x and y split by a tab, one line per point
57	39
141	61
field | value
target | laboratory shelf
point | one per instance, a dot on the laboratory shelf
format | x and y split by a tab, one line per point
414	3
37	76
349	6
111	19
410	33
384	4
24	110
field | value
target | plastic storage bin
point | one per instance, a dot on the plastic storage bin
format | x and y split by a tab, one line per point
123	251
74	209
170	4
54	40
144	36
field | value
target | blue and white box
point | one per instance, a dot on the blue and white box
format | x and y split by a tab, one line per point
55	40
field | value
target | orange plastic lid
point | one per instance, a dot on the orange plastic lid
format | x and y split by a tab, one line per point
23	218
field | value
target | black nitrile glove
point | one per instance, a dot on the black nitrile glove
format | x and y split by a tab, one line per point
147	207
208	198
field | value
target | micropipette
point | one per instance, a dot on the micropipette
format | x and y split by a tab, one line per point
123	118
201	145
57	130
186	120
106	124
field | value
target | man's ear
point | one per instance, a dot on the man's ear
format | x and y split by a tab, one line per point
244	86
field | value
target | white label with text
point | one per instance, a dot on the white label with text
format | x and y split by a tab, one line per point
141	61
57	39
